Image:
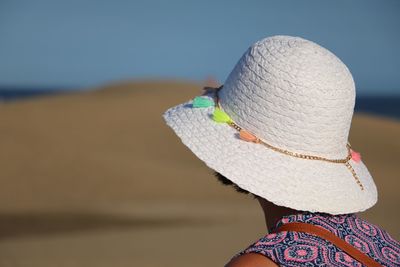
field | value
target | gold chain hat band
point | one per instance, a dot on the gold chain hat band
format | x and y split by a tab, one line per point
257	140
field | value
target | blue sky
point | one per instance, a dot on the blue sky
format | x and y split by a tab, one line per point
81	43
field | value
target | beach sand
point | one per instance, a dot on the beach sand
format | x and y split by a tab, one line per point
97	179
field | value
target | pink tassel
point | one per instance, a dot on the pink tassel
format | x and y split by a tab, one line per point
246	136
355	155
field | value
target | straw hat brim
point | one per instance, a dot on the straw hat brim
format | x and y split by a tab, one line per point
301	184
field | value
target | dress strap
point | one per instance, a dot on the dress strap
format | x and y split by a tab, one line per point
337	241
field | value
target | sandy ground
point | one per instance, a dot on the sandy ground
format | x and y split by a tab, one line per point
97	179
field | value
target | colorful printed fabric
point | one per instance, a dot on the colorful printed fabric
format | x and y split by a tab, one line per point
301	249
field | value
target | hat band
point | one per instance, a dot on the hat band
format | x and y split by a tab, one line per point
253	138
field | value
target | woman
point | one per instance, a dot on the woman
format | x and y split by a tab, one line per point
278	129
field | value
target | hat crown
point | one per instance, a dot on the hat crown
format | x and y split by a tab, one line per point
293	94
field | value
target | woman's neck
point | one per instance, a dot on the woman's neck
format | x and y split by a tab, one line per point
273	212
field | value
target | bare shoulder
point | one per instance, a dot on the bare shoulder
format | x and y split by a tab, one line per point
251	260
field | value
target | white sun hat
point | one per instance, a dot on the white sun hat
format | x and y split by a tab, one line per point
279	126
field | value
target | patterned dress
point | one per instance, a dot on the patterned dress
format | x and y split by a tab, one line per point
301	249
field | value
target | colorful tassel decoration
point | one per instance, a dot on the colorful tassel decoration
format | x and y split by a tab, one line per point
246	136
202	102
221	116
355	155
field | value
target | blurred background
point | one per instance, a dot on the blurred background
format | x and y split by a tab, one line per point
89	173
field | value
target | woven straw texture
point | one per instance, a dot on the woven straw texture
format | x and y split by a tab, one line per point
293	94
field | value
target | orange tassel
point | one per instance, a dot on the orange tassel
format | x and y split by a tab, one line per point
246	136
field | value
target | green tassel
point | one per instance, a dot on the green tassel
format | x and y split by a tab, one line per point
202	102
221	116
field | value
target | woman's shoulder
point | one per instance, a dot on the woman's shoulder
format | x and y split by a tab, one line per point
261	252
251	260
286	246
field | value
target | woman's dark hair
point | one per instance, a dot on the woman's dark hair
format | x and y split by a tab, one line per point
226	181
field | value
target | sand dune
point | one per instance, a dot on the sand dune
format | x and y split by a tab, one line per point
97	179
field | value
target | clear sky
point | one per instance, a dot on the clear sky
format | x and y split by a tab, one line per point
80	43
